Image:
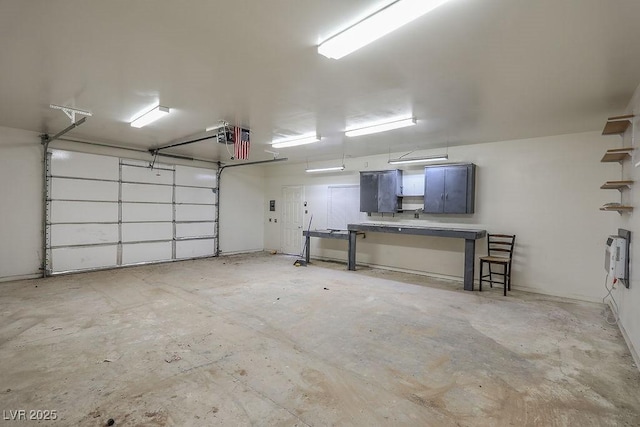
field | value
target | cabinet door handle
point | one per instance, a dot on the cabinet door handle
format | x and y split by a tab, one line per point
446	196
441	196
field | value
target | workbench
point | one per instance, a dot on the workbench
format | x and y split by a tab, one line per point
323	234
470	236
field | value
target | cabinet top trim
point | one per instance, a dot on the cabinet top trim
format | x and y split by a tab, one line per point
439	165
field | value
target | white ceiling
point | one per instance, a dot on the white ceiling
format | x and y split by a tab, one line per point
471	71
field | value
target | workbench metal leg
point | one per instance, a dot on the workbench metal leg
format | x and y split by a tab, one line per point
307	247
351	265
469	263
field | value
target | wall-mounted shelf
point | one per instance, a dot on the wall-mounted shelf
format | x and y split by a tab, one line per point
617	125
617	154
618	209
616	185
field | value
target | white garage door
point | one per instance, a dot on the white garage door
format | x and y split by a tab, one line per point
108	212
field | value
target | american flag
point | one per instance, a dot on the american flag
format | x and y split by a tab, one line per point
241	143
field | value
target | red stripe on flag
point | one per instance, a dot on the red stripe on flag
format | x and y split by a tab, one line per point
241	143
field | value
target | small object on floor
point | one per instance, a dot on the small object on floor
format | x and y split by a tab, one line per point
107	361
278	299
273	252
172	358
111	422
36	286
326	289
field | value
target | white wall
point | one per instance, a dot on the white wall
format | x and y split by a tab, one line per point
545	190
242	209
628	300
20	203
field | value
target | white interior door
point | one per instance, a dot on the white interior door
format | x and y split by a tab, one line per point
292	220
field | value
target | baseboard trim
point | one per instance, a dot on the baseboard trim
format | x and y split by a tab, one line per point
559	294
627	339
21	277
248	251
460	280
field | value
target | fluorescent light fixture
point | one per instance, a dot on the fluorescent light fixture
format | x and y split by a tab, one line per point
335	168
373	27
150	116
426	159
381	127
297	140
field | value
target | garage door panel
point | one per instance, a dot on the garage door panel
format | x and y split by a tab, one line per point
196	229
81	165
84	212
195	248
147	193
146	212
147	175
195	177
195	213
83	234
75	189
147	231
69	259
195	195
133	253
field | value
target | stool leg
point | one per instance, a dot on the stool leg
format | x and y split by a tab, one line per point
480	281
490	276
505	279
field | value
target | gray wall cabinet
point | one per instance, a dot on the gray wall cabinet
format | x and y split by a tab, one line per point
381	191
449	189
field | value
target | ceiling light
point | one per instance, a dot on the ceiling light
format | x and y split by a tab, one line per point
150	116
335	168
402	160
381	127
374	26
298	140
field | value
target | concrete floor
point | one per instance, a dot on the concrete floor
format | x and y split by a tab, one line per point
253	340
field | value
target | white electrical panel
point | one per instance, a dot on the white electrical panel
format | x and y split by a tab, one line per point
615	257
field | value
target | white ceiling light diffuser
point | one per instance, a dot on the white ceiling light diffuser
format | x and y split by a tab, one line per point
294	141
330	169
375	26
403	160
150	116
381	127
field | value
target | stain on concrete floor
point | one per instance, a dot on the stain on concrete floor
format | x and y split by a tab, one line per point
253	340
